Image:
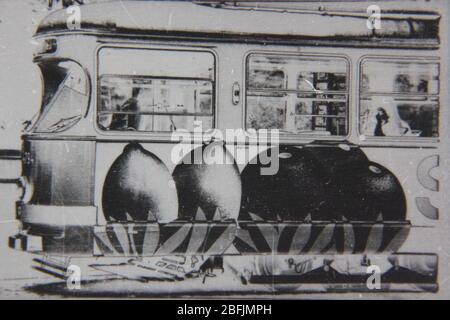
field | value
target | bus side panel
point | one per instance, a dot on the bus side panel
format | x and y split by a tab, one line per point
414	168
62	172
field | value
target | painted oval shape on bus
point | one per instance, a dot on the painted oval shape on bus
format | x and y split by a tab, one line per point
208	184
138	187
369	192
332	157
296	190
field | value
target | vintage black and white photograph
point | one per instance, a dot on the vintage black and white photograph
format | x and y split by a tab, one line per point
225	149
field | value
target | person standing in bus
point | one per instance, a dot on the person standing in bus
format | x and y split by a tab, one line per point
382	118
129	119
385	120
390	123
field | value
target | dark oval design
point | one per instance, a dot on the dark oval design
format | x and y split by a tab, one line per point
138	187
369	192
297	190
206	190
333	157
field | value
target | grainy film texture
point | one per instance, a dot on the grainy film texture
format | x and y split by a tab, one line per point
224	149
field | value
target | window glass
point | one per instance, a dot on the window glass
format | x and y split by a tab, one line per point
399	98
297	94
159	96
65	96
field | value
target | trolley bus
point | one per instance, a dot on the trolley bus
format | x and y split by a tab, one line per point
354	115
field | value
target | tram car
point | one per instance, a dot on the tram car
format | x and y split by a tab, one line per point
292	145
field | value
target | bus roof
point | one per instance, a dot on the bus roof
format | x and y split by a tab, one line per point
245	20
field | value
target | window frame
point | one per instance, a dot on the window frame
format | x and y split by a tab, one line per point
404	59
42	113
296	137
156	135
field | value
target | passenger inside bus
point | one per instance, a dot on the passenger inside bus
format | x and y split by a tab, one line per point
401	100
386	121
147	104
156	91
127	121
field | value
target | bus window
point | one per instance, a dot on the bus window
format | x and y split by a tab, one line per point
399	98
297	94
65	96
155	92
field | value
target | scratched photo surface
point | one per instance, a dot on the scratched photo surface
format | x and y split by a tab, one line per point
213	149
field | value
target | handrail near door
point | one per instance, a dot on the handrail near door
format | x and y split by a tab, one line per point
11	154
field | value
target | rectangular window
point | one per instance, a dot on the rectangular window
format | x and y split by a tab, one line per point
155	90
399	98
297	94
